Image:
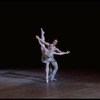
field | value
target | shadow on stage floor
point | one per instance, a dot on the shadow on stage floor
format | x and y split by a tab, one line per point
30	83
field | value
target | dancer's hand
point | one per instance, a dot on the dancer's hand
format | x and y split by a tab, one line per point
68	52
37	37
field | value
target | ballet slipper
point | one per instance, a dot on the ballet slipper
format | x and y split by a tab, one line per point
42	31
47	80
53	79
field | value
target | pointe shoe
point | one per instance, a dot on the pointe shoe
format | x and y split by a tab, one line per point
42	31
47	80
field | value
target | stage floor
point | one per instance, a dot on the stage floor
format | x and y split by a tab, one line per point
30	83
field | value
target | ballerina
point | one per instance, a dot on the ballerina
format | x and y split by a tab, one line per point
54	63
48	57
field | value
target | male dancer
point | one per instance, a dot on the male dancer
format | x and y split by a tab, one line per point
54	49
47	54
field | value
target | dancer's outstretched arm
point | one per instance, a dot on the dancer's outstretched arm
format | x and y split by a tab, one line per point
62	53
59	51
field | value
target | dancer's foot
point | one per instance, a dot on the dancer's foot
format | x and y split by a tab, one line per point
42	31
53	79
47	79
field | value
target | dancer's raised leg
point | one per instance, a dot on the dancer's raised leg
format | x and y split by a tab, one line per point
42	37
42	34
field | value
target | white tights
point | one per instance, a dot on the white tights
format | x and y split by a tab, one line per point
54	64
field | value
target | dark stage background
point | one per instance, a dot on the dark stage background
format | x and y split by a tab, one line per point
75	24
